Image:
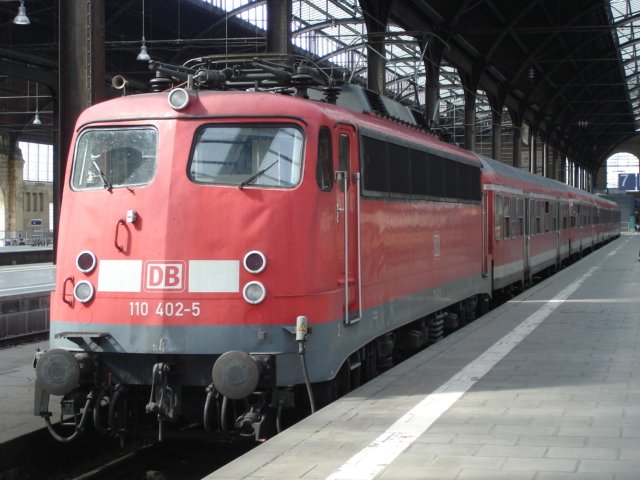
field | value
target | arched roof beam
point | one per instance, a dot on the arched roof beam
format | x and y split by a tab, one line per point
543	46
567	102
560	92
630	43
626	19
328	23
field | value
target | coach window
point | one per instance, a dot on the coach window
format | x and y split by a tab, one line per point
514	218
520	213
498	216
538	210
324	167
506	218
547	217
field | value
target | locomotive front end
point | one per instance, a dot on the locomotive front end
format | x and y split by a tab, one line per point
176	266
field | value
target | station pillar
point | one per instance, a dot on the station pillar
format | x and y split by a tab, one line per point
279	26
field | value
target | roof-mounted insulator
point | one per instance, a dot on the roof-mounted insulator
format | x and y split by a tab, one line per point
159	83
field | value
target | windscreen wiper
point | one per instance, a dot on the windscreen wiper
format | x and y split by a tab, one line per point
253	177
105	181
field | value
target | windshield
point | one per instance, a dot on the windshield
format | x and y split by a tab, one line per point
122	157
266	156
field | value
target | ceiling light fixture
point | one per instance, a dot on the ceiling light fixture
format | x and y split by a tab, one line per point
36	119
21	18
143	56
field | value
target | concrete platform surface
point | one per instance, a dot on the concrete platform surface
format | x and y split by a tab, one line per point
17	377
545	387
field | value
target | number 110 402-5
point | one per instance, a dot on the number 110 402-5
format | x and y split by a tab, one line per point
164	309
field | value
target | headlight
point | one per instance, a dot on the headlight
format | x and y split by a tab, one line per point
83	291
179	98
86	261
254	261
254	292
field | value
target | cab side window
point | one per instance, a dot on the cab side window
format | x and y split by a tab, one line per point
324	166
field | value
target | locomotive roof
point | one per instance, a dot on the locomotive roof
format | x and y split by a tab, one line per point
245	104
295	87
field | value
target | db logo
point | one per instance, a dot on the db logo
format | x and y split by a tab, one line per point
164	276
436	244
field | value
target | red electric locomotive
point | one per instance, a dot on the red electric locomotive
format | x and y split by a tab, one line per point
258	238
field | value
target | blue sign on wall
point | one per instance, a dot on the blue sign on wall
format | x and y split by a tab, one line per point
628	181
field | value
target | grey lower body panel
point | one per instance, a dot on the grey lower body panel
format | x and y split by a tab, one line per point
327	346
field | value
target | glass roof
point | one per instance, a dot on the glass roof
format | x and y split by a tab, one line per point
625	15
335	31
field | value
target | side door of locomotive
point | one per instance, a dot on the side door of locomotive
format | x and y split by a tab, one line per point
348	220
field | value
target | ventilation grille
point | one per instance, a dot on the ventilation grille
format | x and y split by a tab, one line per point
376	102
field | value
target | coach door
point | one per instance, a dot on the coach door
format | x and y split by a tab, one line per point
348	220
527	238
556	226
485	234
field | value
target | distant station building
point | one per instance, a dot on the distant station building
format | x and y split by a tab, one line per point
26	193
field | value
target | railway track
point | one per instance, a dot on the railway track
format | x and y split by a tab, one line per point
37	457
124	466
170	460
24	338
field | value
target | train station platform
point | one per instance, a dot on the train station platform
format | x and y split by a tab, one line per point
547	386
24	254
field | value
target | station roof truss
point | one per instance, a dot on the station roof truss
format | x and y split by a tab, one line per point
568	70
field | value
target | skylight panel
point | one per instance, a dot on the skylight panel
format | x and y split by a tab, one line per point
625	15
